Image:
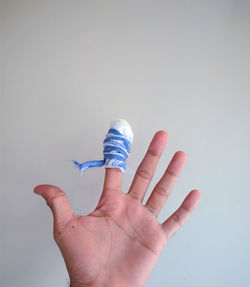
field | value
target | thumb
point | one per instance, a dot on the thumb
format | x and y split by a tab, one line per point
57	201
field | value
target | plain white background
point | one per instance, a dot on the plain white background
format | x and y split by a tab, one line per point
69	67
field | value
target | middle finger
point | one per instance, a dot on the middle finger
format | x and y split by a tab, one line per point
147	167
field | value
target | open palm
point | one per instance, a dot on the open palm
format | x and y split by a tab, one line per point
119	242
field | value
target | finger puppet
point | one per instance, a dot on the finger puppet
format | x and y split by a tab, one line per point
116	148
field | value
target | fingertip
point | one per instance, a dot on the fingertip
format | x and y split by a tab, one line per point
41	188
36	189
182	154
158	143
192	199
162	132
177	162
196	193
163	135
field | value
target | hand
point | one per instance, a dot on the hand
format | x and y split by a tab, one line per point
119	242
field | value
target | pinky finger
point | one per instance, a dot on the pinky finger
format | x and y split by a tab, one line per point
179	217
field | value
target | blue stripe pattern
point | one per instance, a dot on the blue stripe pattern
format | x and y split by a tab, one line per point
115	152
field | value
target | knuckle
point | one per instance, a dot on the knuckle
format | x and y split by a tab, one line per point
185	210
176	218
144	173
160	190
54	198
171	173
151	208
154	153
135	196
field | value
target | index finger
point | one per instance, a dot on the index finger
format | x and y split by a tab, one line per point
112	180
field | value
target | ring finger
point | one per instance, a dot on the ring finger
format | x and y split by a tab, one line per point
164	187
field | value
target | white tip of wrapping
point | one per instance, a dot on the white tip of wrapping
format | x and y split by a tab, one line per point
123	127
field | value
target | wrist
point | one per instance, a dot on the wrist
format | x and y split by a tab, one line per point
93	285
100	283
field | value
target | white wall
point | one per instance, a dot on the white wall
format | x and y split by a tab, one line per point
72	66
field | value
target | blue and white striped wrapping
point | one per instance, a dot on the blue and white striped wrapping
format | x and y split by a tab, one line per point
116	148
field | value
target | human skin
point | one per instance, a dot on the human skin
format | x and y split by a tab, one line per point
119	242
